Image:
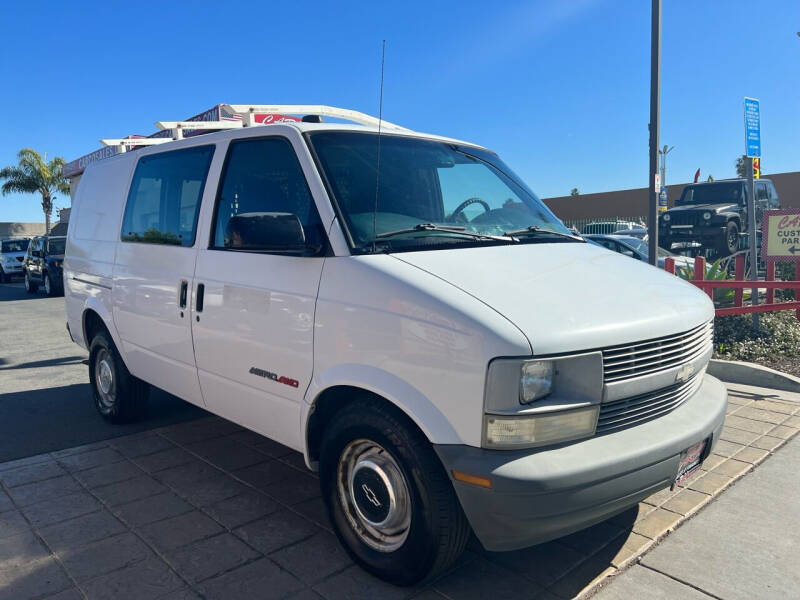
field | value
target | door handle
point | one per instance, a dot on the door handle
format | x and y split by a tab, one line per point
198	303
182	294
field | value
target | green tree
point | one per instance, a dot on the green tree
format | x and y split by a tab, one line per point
574	192
741	167
34	174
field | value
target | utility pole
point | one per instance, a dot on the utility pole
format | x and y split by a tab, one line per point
655	100
663	152
751	235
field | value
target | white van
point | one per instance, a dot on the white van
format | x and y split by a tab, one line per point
403	310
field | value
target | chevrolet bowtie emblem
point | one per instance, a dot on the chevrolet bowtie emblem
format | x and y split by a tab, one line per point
684	373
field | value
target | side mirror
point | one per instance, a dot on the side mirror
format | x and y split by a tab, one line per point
266	232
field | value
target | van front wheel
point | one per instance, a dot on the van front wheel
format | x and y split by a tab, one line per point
118	395
388	496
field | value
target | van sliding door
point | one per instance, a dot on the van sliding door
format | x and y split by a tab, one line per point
154	269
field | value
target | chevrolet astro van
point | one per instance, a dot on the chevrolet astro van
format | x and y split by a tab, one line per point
403	310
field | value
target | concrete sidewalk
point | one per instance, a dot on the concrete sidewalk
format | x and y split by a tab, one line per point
743	546
206	509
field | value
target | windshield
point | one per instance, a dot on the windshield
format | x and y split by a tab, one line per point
56	245
425	182
717	193
14	246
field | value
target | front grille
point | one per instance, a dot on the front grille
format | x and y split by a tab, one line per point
645	407
651	356
685	217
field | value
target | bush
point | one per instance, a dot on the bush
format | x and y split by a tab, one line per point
779	337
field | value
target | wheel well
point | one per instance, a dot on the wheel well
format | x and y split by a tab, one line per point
334	399
92	324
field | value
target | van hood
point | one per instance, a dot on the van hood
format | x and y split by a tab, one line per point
568	297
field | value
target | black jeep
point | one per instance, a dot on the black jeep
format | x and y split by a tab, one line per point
714	214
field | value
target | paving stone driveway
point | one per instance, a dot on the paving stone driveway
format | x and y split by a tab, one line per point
206	509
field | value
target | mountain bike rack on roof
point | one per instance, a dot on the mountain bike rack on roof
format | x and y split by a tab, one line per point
221	116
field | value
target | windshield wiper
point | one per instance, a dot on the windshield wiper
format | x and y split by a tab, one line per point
455	229
534	230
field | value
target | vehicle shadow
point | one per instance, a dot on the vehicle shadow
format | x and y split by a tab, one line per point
565	566
50	362
49	419
16	291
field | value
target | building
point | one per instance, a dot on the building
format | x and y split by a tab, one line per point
633	203
9	229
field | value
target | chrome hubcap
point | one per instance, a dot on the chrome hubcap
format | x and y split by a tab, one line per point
104	375
374	495
47	284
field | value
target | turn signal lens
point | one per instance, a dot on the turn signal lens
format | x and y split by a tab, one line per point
535	430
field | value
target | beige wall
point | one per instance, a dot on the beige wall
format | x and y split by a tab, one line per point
21	229
633	203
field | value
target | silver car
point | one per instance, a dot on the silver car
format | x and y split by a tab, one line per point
12	251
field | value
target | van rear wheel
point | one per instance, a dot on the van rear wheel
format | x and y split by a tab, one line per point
119	396
388	496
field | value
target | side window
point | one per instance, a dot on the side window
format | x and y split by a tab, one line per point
761	192
774	201
164	199
263	202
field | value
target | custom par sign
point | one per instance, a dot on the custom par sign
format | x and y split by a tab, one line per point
780	235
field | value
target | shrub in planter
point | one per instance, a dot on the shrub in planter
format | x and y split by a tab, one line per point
778	338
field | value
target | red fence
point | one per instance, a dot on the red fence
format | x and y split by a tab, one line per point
739	284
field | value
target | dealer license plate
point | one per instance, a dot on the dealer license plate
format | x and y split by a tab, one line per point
690	460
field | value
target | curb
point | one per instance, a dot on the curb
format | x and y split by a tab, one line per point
745	373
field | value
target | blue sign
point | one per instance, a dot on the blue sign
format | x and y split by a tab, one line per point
752	127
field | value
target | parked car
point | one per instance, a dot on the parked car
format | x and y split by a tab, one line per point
43	265
637	232
435	342
607	227
714	214
12	253
638	249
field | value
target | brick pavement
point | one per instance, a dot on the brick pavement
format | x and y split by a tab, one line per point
206	509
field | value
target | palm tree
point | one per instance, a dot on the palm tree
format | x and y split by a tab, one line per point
34	174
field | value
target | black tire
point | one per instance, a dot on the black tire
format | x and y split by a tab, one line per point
730	242
665	242
30	287
125	398
438	529
3	277
52	287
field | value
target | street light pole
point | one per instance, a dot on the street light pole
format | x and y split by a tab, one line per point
655	100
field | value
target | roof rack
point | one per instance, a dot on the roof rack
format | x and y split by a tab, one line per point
249	111
220	117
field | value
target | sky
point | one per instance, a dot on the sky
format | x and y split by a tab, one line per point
560	89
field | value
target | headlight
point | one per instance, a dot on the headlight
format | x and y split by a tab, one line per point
536	380
536	430
706	215
530	402
666	217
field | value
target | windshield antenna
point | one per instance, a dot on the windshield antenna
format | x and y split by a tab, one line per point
378	162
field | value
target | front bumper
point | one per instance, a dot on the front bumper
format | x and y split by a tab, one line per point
542	494
12	268
696	232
